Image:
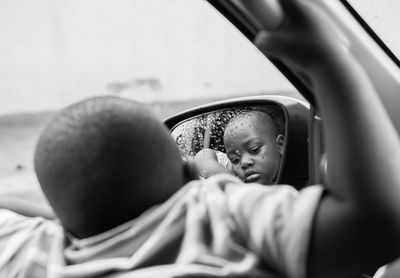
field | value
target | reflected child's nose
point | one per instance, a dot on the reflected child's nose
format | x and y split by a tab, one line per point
246	161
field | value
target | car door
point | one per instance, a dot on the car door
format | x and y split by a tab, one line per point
357	20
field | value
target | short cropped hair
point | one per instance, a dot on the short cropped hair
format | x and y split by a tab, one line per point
105	160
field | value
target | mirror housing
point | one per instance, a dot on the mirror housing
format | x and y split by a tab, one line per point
295	168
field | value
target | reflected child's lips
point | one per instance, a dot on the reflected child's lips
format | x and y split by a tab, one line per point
252	177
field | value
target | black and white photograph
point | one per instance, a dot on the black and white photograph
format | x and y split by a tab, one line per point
199	138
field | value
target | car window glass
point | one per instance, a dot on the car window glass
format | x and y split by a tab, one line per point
382	17
172	54
55	52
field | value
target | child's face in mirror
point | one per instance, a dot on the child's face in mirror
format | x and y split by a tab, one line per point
253	147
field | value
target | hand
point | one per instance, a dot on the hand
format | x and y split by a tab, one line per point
295	43
207	163
206	154
208	237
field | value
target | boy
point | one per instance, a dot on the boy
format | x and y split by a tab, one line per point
254	149
93	164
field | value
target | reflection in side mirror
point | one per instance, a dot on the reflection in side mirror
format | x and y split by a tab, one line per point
204	126
247	141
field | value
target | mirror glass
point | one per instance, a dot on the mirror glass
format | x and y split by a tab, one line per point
207	130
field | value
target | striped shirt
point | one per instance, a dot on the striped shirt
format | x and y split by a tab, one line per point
270	234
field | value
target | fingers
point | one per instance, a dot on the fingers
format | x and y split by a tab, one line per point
281	41
196	221
194	244
208	233
308	30
218	220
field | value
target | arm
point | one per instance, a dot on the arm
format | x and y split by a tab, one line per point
356	227
208	165
26	208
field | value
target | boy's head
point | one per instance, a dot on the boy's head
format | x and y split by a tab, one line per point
254	147
105	160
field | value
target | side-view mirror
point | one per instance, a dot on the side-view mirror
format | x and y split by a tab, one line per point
204	127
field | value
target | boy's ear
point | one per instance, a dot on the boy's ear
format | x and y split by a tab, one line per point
190	171
280	143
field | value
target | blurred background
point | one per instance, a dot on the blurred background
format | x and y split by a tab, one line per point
171	54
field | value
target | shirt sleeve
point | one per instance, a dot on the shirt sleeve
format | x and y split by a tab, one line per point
25	244
275	222
9	218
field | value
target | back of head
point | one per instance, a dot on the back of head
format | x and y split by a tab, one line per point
103	161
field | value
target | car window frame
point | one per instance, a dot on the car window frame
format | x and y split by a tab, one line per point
368	49
250	31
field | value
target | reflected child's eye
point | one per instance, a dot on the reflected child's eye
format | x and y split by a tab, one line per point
234	160
254	150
